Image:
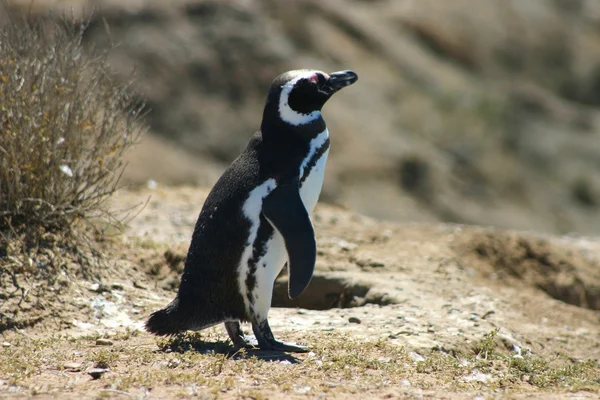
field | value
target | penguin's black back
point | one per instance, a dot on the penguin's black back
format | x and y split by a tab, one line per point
209	291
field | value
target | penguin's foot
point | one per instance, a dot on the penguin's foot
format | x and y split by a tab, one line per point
266	340
237	336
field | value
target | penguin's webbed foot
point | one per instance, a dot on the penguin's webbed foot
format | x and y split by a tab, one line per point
266	340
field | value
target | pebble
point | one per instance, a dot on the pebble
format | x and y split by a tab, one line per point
96	373
174	363
5	344
416	356
302	389
99	288
72	366
104	342
138	285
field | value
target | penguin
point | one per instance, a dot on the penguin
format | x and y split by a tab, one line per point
256	219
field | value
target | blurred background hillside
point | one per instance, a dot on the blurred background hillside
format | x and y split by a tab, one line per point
469	111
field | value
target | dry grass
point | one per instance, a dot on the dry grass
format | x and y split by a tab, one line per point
337	365
65	125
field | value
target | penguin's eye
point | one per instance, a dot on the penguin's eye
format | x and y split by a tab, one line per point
314	78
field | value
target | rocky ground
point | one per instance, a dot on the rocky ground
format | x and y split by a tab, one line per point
394	310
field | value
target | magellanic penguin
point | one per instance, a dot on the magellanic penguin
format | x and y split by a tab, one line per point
256	218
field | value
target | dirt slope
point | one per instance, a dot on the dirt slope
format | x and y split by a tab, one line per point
471	111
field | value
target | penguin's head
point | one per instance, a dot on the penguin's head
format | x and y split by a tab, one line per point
298	96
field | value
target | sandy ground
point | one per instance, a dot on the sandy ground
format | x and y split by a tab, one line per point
425	289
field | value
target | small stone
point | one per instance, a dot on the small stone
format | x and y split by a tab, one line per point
302	389
138	285
72	366
117	286
104	342
151	184
354	320
96	373
5	344
174	363
99	288
416	356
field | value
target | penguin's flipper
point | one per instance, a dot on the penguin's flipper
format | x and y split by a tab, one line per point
285	210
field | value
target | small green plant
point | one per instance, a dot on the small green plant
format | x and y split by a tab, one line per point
485	348
105	359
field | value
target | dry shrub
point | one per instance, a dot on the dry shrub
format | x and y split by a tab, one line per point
65	125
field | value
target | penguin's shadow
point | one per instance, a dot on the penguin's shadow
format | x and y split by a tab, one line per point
225	348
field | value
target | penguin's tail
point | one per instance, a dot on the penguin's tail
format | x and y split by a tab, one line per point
166	321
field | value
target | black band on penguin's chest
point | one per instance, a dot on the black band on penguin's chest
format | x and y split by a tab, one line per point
312	162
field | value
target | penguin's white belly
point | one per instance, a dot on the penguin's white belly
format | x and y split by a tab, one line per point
311	188
275	255
269	266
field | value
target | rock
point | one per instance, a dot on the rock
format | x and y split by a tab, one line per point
5	344
138	285
99	288
354	320
104	342
416	356
96	373
72	366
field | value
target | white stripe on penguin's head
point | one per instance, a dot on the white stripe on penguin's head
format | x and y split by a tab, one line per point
289	115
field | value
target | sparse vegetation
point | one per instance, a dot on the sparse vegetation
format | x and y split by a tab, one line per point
336	365
65	125
486	347
105	359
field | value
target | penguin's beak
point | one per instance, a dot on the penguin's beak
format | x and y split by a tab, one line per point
339	80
